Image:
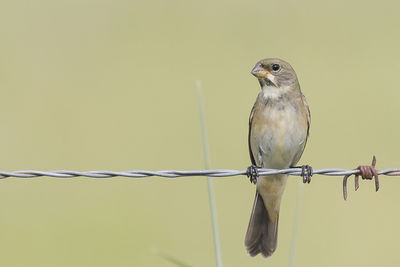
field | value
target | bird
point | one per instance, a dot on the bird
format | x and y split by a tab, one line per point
279	127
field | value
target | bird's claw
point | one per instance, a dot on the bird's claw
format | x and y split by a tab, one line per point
252	173
367	173
306	173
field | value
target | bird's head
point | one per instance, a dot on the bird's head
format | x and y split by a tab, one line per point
274	72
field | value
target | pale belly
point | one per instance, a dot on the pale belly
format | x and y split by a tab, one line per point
279	137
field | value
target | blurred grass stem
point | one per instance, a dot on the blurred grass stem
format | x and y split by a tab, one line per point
211	197
299	201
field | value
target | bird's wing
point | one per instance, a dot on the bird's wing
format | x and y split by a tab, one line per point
308	115
304	143
250	122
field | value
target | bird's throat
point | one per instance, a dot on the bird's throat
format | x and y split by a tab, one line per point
273	92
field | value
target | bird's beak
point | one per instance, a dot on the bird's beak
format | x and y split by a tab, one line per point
260	72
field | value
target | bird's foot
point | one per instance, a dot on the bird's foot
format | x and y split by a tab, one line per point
252	173
306	173
366	172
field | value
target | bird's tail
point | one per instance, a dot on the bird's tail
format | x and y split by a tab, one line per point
262	232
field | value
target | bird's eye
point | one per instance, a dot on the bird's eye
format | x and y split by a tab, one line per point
276	67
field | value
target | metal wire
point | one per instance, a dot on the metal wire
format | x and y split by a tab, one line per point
180	173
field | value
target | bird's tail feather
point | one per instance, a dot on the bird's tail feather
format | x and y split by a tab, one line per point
262	233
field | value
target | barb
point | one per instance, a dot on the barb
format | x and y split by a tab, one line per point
367	173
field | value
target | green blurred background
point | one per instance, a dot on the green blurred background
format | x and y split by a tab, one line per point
97	84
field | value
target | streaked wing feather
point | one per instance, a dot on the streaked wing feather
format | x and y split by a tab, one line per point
250	124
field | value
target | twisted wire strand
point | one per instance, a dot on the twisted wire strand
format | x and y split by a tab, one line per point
180	173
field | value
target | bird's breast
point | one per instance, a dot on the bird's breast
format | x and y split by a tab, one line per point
278	134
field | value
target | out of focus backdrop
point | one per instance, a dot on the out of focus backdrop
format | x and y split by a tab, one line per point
110	85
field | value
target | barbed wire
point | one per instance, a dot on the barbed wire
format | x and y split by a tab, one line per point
182	173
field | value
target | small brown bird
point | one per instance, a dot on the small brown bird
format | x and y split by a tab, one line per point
278	131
